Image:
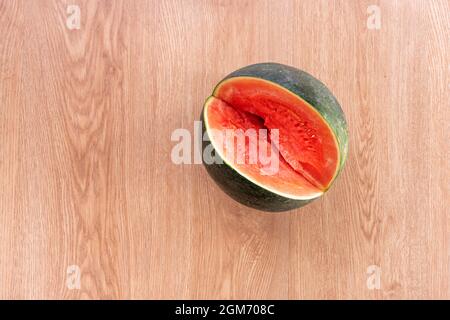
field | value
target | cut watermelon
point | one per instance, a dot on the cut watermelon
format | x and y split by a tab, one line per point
310	128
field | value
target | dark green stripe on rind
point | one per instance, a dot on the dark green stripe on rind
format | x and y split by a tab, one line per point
308	88
243	190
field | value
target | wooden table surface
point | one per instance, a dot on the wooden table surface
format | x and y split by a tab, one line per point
91	205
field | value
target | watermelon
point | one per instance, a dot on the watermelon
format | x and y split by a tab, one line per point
286	115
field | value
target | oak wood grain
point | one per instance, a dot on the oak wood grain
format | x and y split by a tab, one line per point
86	178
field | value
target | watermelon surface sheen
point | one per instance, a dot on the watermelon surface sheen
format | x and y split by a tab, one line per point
313	141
